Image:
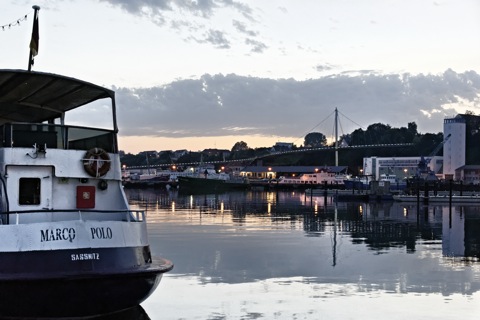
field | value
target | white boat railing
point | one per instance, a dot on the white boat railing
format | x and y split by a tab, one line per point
35	216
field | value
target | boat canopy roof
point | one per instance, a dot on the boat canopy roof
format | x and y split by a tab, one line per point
27	96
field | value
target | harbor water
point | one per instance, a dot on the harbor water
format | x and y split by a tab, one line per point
289	255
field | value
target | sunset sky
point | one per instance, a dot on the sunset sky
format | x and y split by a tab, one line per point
208	73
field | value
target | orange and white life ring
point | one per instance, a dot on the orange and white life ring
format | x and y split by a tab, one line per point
96	162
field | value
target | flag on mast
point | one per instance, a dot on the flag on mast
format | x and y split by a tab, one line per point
35	38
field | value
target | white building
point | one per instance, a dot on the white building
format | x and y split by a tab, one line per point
454	147
461	154
401	167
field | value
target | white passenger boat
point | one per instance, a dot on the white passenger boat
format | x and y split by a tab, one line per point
70	245
317	178
395	183
199	172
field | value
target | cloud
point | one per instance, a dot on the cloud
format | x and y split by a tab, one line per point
219	105
215	37
195	20
241	27
325	67
256	46
157	7
283	10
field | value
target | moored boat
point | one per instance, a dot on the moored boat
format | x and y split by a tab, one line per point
308	180
204	172
357	183
71	246
210	185
395	183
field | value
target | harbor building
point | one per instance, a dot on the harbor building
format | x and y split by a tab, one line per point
460	160
461	153
454	149
400	167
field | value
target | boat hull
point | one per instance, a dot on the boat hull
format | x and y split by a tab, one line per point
355	185
83	294
203	185
75	268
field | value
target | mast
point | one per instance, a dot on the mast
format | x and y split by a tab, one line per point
336	137
334	247
34	40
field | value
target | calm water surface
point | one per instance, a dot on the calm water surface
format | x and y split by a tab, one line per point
287	255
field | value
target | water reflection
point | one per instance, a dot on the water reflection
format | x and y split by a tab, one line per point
257	243
135	313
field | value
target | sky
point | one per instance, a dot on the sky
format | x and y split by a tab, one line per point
209	73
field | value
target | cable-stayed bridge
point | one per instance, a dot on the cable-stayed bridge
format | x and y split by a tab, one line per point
272	154
335	147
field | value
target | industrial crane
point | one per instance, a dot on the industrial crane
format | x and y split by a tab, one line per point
423	170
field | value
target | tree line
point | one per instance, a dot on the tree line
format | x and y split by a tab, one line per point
375	134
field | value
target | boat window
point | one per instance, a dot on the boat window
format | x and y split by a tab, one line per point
29	191
52	136
85	139
28	135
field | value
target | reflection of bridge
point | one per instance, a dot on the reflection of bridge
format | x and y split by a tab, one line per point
384	234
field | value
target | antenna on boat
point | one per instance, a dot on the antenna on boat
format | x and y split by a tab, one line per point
34	40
